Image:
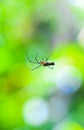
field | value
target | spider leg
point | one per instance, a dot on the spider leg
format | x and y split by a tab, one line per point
46	59
43	59
36	58
30	60
50	67
36	67
49	55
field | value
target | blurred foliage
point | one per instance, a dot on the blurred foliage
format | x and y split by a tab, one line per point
28	28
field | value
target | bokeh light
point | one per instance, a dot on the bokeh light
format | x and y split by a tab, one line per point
36	111
69	79
78	3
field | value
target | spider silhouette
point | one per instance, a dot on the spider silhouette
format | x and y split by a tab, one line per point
43	63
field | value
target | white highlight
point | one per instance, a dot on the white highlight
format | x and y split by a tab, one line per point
36	112
68	79
78	3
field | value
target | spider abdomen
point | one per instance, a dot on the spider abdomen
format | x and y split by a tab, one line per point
48	64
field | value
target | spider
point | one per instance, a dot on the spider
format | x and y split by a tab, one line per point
41	63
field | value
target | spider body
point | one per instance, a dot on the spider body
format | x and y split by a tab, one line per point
41	63
47	63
